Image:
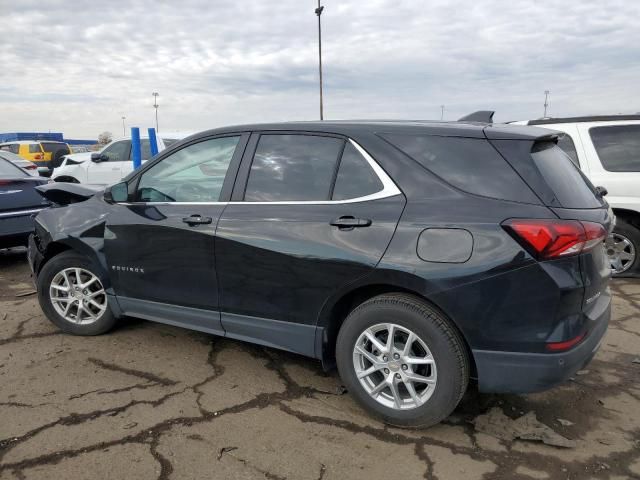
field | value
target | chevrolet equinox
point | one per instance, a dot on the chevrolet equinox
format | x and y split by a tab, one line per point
414	255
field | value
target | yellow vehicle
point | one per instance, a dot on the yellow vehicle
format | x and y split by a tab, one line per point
44	154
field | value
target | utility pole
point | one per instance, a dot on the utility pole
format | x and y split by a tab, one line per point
155	105
546	103
441	112
124	131
318	13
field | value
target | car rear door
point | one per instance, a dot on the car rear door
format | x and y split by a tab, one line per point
310	214
160	245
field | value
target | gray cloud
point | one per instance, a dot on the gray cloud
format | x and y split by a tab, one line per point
77	66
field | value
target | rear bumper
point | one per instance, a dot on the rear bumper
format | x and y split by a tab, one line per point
516	372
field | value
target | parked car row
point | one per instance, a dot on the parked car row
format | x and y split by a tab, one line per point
43	153
416	256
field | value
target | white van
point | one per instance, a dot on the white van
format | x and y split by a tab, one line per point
607	150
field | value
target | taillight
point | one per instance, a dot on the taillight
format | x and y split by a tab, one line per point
31	167
555	238
38	156
566	345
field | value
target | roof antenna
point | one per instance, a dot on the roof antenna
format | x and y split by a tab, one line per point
481	116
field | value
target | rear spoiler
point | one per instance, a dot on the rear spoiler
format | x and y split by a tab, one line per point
62	193
481	116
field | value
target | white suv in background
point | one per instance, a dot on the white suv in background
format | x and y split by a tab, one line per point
607	150
110	164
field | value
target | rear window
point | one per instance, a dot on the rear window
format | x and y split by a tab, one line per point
571	188
469	164
9	170
618	147
55	147
565	142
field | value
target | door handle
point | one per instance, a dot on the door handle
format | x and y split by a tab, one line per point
197	220
348	222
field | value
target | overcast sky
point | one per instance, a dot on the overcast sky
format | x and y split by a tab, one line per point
79	66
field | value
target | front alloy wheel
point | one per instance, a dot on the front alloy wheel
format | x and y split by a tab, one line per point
394	366
71	292
78	296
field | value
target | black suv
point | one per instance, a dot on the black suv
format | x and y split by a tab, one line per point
415	255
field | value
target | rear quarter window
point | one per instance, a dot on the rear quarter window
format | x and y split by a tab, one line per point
469	164
618	147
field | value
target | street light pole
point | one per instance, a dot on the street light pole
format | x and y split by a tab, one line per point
155	105
124	131
546	103
318	13
441	112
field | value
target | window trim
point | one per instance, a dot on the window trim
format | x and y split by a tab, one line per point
389	188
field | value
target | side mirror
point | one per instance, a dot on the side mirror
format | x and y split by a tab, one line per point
44	171
97	157
117	193
601	191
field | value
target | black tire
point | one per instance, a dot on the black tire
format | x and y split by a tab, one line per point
431	326
69	259
631	233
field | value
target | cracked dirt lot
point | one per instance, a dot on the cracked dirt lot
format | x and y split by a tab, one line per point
150	401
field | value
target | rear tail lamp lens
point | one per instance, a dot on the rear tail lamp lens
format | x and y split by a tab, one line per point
548	239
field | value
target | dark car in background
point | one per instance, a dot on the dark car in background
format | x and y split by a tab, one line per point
415	255
19	202
30	167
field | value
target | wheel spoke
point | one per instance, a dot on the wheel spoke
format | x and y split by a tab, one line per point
96	304
67	308
626	255
88	282
375	391
368	355
60	287
414	377
390	337
407	346
418	360
396	394
78	279
365	373
412	392
62	299
372	338
95	294
67	280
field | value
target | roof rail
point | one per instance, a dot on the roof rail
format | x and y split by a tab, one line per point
592	118
481	116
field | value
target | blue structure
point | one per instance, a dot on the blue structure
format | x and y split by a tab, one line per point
136	153
42	137
153	141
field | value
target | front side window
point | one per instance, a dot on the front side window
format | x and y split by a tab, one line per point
565	142
192	174
355	177
35	148
118	151
618	147
292	168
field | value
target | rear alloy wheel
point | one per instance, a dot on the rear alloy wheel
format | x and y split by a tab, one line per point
622	248
72	295
402	360
394	366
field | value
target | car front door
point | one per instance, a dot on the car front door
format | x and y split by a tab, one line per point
160	245
311	213
108	170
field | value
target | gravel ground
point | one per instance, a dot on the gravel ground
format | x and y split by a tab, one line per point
150	401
